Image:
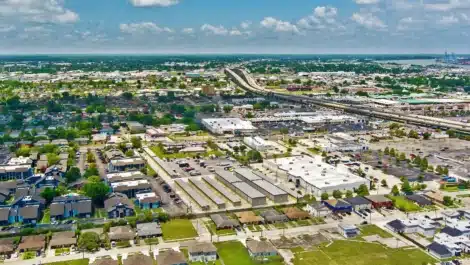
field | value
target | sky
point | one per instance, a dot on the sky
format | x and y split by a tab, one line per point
235	26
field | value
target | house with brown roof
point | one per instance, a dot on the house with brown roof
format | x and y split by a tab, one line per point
32	243
249	217
105	261
202	252
294	213
260	249
138	259
63	239
7	246
121	233
171	257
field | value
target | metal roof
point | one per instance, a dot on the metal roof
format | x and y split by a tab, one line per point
268	187
208	192
227	176
249	191
202	202
222	189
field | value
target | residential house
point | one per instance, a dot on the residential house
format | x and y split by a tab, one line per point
419	200
130	188
10	172
249	218
147	200
317	209
32	243
149	230
222	221
138	259
121	233
439	251
126	164
135	127
348	231
60	142
7	247
171	257
294	213
71	205
118	206
423	226
359	203
124	176
338	205
43	181
202	252
260	249
63	239
105	261
113	154
56	171
273	216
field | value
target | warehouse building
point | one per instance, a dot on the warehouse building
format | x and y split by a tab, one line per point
202	202
228	126
234	200
257	143
254	180
209	193
244	190
315	176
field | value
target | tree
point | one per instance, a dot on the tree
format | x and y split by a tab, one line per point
129	153
395	190
228	108
90	158
89	241
48	194
72	174
387	151
23	151
402	157
255	156
284	130
413	134
447	200
426	136
52	159
324	196
349	194
384	183
445	171
95	189
362	190
127	95
136	142
420	178
337	194
406	187
392	151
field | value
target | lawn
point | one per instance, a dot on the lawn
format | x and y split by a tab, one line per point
369	230
255	228
46	218
279	225
28	255
59	251
151	241
70	262
100	213
403	204
344	252
178	229
234	253
123	244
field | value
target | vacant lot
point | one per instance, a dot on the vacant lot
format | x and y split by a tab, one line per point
369	230
403	204
178	229
357	253
234	253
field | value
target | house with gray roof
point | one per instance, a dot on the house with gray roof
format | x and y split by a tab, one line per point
171	257
118	206
222	221
260	249
146	230
71	206
202	252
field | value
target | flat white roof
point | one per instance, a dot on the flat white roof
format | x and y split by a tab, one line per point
129	183
317	173
229	124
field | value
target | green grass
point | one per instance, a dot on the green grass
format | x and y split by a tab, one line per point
46	218
28	255
403	204
150	171
59	251
123	244
233	253
70	262
304	222
369	230
151	241
279	225
178	229
315	151
344	252
100	213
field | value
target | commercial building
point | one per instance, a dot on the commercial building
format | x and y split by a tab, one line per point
257	143
201	201
130	188
124	176
233	199
274	193
380	201
219	202
244	190
8	172
228	126
315	176
126	164
136	127
348	231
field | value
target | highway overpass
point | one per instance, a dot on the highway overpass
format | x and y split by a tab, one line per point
244	80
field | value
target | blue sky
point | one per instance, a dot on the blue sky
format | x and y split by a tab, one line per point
234	26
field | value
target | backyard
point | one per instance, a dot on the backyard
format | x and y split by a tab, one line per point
344	252
234	253
403	204
177	229
221	232
369	230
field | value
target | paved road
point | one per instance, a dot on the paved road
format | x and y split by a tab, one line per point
99	164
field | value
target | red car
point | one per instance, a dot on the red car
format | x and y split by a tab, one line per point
187	169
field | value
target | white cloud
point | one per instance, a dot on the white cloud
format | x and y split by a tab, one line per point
36	29
144	27
447	5
278	25
367	2
7	28
216	30
368	21
245	24
235	32
448	20
147	3
40	11
188	30
323	17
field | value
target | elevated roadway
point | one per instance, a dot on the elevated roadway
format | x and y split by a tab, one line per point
244	80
